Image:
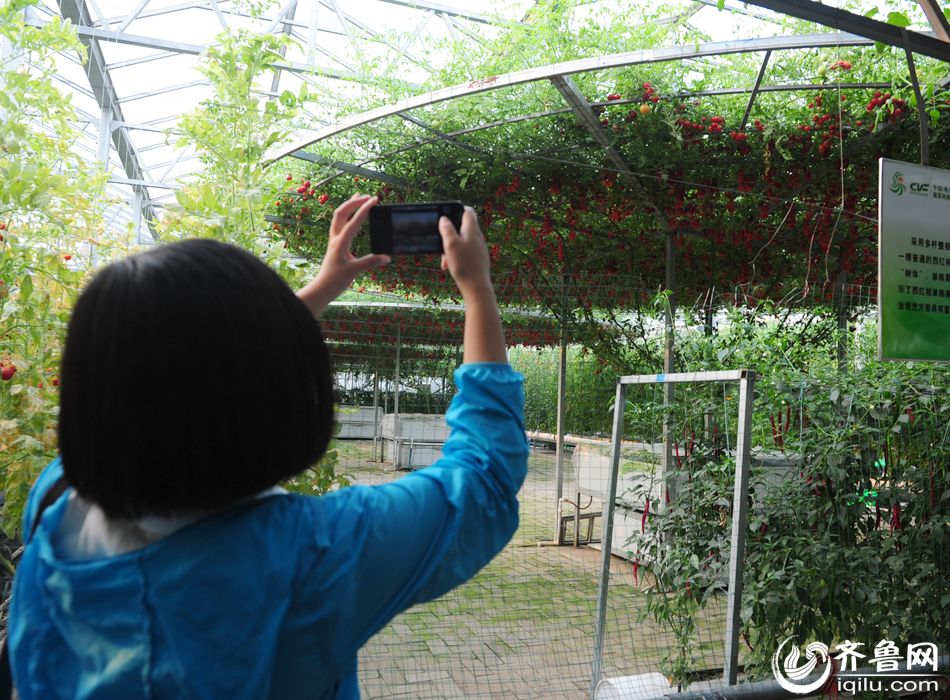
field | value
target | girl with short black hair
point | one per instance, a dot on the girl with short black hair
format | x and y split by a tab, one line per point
173	565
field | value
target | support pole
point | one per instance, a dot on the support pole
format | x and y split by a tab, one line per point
739	518
922	115
376	404
137	215
606	538
936	18
842	323
666	464
561	391
105	137
708	313
755	90
397	443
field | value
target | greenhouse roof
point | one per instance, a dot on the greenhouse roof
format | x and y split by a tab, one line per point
763	180
143	71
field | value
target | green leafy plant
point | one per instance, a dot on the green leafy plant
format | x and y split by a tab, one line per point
848	538
51	207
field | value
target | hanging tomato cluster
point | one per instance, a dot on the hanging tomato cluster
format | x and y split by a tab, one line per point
769	206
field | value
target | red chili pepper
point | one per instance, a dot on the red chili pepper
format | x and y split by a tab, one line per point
689	591
896	517
666	492
643	520
636	578
775	437
910	414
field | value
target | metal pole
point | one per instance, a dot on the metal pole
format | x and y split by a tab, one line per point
606	537
666	465
922	116
376	404
739	517
755	90
561	390
396	442
936	18
137	215
842	324
105	136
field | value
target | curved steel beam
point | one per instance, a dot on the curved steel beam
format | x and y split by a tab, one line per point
583	65
102	88
842	20
788	87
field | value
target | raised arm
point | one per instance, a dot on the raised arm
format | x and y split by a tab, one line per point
381	549
466	259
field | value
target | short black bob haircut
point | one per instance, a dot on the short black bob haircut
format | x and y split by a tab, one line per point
192	378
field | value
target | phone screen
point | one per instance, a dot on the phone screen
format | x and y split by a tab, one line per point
410	229
416	232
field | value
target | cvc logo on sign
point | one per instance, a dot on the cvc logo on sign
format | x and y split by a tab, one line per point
898	187
887	675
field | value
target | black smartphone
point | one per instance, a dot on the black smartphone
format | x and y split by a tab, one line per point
410	229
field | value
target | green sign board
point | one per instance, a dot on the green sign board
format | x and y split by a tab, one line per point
913	262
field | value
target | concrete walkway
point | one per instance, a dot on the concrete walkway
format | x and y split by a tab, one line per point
524	626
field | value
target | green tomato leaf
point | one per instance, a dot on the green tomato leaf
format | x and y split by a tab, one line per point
26	287
898	19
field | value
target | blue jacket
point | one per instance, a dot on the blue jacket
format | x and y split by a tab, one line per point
271	598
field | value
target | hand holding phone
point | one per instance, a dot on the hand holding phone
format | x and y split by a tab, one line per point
410	229
466	259
340	267
466	254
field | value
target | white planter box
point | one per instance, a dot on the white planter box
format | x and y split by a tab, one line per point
591	462
357	422
410	454
414	440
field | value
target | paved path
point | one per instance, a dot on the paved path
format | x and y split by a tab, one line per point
524	626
